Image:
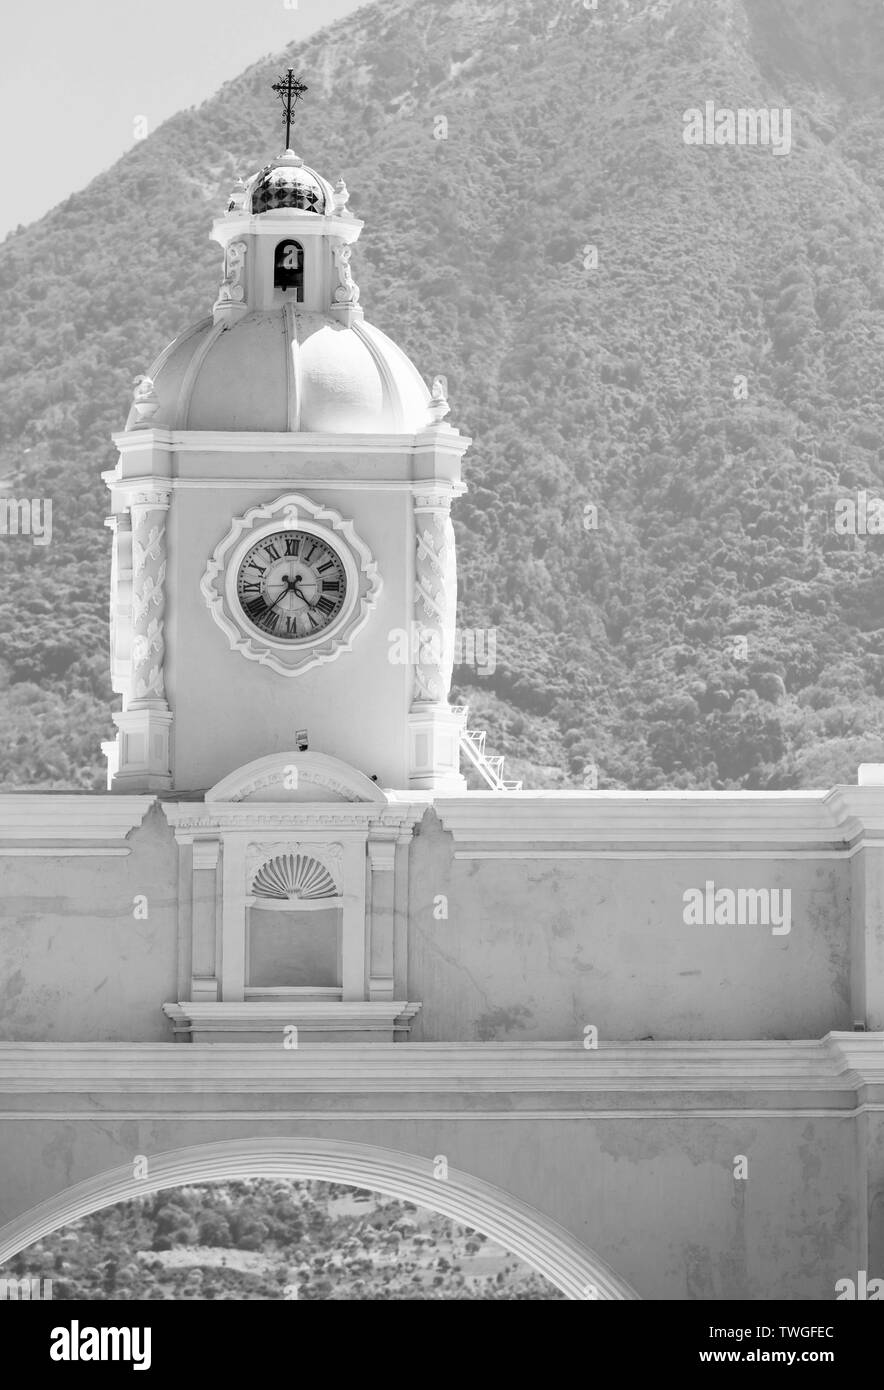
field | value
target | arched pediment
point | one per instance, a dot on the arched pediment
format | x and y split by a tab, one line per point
294	777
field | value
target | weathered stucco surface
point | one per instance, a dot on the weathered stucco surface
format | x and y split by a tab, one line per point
78	964
539	948
253	711
531	949
655	1199
504	948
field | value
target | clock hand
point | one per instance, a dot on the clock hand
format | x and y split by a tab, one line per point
303	597
288	588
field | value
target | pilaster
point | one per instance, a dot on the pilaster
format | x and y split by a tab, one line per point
382	863
143	753
204	966
433	727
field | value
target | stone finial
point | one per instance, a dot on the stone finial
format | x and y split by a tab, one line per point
439	406
145	400
340	198
237	197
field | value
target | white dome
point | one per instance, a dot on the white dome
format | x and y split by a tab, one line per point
259	373
288	183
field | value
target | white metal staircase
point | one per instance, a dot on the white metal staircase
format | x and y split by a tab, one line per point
472	743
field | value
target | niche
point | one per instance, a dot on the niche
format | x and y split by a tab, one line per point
294	930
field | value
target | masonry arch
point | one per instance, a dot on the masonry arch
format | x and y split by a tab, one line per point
316	777
522	1230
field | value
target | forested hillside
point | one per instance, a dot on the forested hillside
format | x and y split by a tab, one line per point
268	1240
705	625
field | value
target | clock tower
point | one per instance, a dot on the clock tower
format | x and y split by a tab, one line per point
283	560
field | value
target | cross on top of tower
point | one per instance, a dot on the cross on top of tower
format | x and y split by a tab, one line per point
290	90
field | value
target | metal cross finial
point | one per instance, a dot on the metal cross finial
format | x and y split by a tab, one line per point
290	90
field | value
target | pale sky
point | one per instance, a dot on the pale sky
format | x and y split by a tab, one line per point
75	75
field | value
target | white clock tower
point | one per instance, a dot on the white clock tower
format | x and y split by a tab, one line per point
283	563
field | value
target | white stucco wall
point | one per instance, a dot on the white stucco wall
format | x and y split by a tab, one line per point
531	949
77	963
229	710
538	948
655	1198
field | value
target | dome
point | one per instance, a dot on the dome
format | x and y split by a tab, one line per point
284	371
288	183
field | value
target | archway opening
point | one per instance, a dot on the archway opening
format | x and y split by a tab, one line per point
431	1183
272	1239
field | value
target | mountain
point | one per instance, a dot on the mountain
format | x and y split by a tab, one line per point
662	443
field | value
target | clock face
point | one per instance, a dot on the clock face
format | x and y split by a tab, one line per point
291	585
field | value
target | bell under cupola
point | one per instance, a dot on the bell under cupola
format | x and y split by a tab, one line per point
287	346
287	238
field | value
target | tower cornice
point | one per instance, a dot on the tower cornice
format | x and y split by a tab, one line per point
438	438
285	222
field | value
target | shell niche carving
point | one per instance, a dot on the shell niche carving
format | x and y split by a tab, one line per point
293	878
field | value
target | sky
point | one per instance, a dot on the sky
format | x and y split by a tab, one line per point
79	77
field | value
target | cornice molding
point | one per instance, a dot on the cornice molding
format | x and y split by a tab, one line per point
164	441
311	1016
286	222
858	1056
837	821
60	818
195	817
409	486
839	1065
859	811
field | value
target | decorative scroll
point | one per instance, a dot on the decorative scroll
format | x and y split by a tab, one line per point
435	600
145	400
347	291
148	597
121	601
232	290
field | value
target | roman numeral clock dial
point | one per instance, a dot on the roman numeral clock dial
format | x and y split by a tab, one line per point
291	586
